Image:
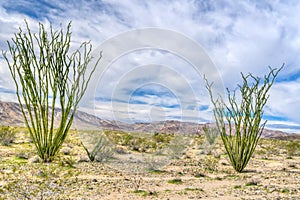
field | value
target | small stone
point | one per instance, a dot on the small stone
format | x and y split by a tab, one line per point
66	150
201	152
7	171
83	158
121	150
22	155
35	159
3	183
272	189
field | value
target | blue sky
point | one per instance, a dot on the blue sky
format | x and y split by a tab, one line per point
151	84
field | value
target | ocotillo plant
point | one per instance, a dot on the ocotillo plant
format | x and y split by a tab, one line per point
47	75
242	118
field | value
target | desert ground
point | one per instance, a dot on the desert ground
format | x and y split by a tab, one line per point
148	166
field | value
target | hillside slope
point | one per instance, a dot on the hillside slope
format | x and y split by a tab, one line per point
10	114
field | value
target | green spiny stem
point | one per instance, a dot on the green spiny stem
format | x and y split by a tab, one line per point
42	67
244	117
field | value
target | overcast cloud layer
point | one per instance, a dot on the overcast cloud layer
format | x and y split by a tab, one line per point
151	84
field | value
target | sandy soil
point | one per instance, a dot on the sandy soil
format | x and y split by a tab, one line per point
270	174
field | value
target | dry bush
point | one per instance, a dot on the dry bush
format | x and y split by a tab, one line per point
7	135
97	146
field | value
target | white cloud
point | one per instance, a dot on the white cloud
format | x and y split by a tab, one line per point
284	100
239	36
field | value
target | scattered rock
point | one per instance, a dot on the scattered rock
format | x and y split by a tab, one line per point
7	171
95	180
22	155
3	183
217	154
121	150
202	152
66	150
83	158
35	159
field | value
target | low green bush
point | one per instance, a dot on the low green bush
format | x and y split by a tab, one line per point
175	181
7	135
293	148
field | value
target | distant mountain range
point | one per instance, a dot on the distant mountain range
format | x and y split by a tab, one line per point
10	114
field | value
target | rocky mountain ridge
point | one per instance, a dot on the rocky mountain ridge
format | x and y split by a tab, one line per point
10	114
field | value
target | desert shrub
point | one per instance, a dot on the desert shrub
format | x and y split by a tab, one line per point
199	140
261	152
162	138
151	163
7	135
272	148
158	141
67	162
97	146
293	148
119	137
177	146
42	67
242	118
211	135
139	142
136	183
285	190
127	139
155	162
175	181
210	163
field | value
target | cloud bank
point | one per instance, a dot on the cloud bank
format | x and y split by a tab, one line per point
154	84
